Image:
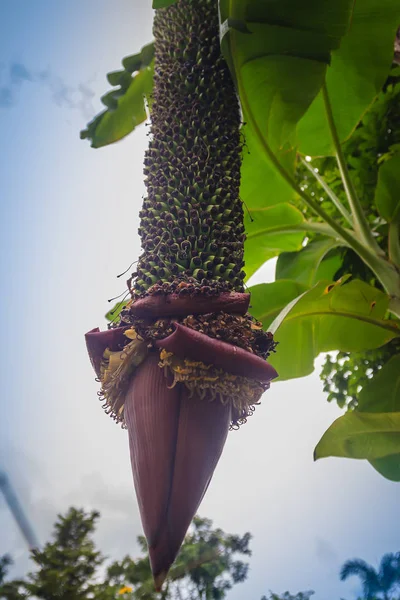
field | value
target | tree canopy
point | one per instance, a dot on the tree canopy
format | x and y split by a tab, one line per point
70	567
288	596
211	562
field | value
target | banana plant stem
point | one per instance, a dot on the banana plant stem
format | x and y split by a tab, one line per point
347	235
342	209
394	306
385	271
321	228
394	242
360	222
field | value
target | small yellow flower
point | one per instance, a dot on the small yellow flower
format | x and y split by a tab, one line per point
125	590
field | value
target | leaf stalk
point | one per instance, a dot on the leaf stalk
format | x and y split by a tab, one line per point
321	228
342	209
361	225
394	242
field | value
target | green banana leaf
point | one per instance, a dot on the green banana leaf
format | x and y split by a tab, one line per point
283	52
331	316
312	263
359	68
126	108
268	299
270	231
372	431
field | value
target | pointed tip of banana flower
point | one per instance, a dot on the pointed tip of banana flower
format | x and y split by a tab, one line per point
175	442
162	556
159	580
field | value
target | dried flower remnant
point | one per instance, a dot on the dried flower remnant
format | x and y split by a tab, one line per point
186	361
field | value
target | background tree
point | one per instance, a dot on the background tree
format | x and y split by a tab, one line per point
381	583
69	566
69	563
5	563
207	566
9	590
288	596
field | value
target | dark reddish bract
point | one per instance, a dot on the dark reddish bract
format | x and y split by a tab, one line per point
175	444
97	341
188	343
173	305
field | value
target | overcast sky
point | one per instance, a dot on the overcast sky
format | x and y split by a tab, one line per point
68	219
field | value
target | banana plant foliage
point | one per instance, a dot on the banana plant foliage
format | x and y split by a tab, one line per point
373	431
126	103
308	75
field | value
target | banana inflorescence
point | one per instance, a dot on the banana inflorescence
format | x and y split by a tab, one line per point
185	361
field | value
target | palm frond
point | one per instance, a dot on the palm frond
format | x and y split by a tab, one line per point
389	571
369	577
